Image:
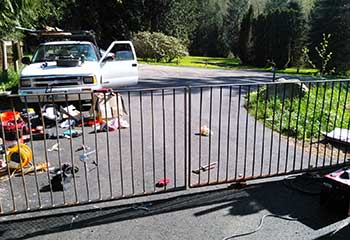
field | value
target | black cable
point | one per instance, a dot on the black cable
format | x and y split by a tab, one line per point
261	225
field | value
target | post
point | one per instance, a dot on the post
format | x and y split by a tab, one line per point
274	73
15	55
4	56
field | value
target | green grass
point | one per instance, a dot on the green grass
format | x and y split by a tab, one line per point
291	71
202	62
321	110
8	80
224	63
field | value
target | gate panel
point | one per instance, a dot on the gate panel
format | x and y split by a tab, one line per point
231	138
147	155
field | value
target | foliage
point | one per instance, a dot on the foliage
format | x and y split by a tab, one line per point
8	80
235	12
246	38
323	108
23	13
158	46
324	56
207	36
179	20
278	36
331	17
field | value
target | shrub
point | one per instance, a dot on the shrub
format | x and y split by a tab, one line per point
8	80
158	46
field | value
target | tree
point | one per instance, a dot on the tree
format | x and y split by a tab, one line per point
299	32
245	41
235	12
23	13
332	17
180	19
206	37
279	36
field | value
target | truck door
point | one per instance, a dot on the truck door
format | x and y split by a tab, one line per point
119	65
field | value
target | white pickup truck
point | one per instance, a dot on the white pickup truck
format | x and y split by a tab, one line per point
76	67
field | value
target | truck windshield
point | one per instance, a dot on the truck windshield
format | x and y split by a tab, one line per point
53	52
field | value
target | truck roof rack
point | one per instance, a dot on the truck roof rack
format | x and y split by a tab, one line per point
55	34
48	36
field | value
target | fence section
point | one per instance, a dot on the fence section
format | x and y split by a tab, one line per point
160	140
241	132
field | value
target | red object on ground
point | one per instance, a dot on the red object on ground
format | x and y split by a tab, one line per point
163	182
10	123
335	190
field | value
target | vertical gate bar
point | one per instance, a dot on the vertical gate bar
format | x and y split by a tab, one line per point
153	150
288	128
200	134
185	139
120	148
131	149
71	151
237	128
272	126
320	121
219	138
33	153
210	125
327	124
343	113
164	140
336	117
189	135
174	119
94	99
297	125
263	135
45	152
246	133
8	168
280	130
142	144
312	124
20	158
347	137
228	133
304	126
59	150
83	142
107	145
255	124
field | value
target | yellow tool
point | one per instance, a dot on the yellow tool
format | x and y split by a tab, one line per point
19	154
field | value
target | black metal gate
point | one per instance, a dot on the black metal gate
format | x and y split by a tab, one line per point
171	139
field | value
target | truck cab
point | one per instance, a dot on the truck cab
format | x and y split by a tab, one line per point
67	66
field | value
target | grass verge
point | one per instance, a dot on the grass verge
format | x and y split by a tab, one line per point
324	107
195	61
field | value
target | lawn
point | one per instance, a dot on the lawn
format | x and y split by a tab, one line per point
224	63
324	107
203	62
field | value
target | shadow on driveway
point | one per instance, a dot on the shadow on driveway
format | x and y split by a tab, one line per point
275	197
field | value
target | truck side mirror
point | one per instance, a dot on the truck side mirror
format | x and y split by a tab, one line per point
26	60
108	59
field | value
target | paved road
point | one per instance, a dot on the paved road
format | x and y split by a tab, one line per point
128	167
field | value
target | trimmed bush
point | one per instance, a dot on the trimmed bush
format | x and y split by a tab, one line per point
158	46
